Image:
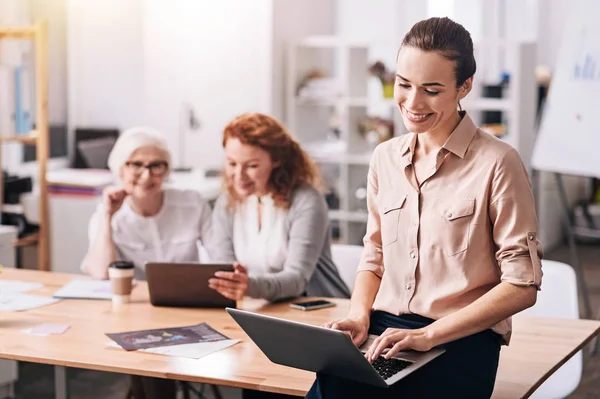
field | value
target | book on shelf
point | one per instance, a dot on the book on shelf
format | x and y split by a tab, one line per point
83	191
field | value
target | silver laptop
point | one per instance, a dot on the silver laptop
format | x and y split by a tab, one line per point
325	350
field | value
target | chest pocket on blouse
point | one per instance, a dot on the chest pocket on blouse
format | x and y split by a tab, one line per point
454	228
390	219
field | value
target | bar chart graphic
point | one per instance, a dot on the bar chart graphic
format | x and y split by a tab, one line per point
586	64
568	136
587	68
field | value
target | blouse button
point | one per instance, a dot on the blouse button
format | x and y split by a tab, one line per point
531	237
449	215
407	286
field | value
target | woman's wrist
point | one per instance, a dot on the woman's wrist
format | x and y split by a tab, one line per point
107	217
430	335
106	226
364	315
251	290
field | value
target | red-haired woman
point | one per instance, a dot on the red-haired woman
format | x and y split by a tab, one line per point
271	221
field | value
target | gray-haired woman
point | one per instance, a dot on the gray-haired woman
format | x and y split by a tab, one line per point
139	221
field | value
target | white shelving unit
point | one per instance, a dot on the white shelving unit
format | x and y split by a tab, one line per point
344	162
354	94
519	103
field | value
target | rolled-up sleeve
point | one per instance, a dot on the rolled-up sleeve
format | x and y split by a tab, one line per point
372	256
514	223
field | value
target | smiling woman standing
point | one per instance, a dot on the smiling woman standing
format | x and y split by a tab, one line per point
271	220
451	250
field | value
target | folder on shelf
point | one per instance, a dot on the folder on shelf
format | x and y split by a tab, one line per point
7	104
23	100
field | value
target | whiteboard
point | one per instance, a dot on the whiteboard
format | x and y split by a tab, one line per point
568	140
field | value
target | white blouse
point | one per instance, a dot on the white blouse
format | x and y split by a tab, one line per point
262	250
174	234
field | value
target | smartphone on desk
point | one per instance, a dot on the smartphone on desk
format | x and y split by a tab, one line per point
312	305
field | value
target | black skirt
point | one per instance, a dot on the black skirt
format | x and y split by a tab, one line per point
466	370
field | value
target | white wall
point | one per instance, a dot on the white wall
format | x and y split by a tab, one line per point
139	61
55	12
193	61
466	12
522	18
368	20
105	55
553	15
381	23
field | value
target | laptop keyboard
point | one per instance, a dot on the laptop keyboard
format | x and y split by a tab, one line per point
389	367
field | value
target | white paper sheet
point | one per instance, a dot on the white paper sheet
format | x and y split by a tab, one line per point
18	302
43	330
15	286
193	351
29	331
85	289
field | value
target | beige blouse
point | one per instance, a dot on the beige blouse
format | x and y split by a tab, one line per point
439	246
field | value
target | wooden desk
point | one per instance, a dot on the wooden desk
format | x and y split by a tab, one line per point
538	347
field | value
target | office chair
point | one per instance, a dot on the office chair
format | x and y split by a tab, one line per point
558	298
346	258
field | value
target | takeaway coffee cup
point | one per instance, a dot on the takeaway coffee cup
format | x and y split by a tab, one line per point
121	281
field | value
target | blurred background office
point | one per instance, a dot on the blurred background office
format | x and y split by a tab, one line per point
323	67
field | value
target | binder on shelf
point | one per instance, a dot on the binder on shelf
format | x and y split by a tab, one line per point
23	100
7	104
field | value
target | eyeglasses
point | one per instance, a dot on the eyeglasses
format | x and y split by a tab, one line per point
154	168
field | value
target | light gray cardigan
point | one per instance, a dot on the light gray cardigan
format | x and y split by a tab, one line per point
308	268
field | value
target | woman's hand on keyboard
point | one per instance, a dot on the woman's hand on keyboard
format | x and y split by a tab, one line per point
399	339
356	328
